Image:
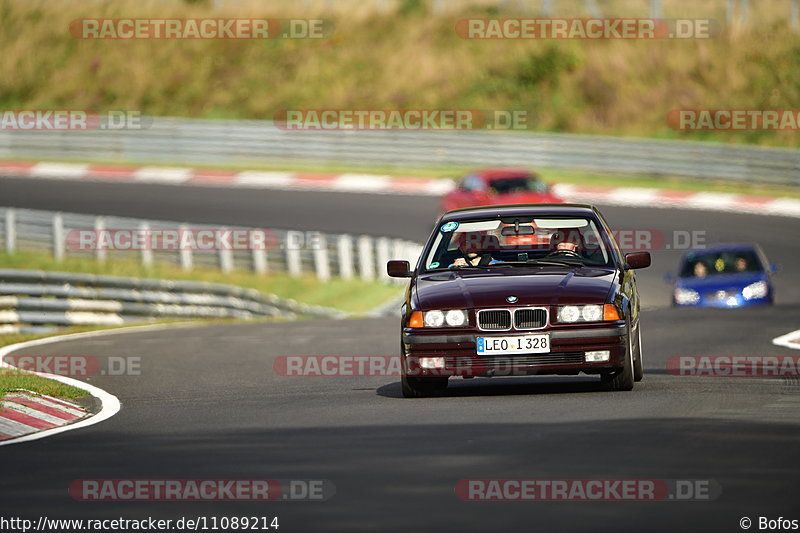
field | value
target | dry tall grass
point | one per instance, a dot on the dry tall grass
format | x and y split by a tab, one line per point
384	59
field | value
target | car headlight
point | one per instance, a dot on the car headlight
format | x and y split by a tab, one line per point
686	296
433	319
586	313
592	313
759	289
453	318
569	313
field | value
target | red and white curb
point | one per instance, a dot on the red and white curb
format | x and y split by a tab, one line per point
710	201
358	183
25	412
384	184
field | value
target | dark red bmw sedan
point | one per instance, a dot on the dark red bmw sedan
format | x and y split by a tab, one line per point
520	290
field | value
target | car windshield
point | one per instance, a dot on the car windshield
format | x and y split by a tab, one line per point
704	264
517	184
518	241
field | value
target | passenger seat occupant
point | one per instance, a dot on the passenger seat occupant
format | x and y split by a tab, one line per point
476	248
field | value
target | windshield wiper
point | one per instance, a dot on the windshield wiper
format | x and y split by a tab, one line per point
456	269
577	263
530	262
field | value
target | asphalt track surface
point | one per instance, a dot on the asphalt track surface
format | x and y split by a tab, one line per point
209	405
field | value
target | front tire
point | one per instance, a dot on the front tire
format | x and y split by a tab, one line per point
622	380
638	365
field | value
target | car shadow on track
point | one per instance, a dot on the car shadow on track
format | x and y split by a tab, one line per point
460	388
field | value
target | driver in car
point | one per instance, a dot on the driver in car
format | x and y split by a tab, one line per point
566	242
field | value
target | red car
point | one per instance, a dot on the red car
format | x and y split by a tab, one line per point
499	187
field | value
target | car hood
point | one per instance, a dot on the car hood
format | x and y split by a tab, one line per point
721	281
532	286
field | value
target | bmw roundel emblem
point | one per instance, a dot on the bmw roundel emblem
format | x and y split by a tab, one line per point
512	299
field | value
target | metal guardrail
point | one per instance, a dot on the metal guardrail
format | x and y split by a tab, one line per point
36	301
323	255
243	143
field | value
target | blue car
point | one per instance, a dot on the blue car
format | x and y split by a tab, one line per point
723	275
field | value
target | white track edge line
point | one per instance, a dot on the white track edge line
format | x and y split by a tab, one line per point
110	404
783	340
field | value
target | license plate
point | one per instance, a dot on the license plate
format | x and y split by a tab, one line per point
513	345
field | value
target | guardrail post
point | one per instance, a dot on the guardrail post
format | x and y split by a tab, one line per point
185	251
321	264
147	252
593	9
382	253
11	230
412	251
294	240
99	227
225	256
366	258
655	9
744	10
259	249
344	246
58	237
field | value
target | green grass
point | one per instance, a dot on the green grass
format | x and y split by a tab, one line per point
11	379
347	295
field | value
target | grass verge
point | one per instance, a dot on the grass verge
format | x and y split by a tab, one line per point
11	379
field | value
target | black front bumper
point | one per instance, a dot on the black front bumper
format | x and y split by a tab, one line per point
568	346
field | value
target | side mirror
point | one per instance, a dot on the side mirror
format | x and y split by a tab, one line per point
399	269
774	268
638	259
